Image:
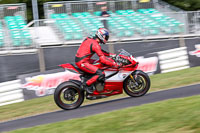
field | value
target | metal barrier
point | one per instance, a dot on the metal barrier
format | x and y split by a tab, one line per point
13	10
10	92
79	7
193	21
96	6
122	5
92	6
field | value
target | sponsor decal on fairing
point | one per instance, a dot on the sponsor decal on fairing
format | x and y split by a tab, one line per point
148	65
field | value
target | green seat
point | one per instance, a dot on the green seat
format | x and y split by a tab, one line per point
128	33
15	33
1	43
77	14
154	31
12	27
1	39
120	12
55	16
16	43
120	34
21	22
63	15
27	42
130	11
86	14
26	33
16	40
68	36
78	36
21	26
78	30
18	17
97	13
9	18
68	31
19	36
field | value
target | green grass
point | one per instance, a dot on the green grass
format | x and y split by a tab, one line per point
171	116
46	104
176	79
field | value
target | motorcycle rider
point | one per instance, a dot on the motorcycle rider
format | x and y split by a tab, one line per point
87	49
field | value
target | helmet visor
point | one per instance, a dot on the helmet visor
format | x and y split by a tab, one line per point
106	37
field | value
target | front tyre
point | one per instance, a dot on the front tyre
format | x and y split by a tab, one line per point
68	96
137	84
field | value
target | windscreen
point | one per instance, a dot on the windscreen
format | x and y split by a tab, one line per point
124	52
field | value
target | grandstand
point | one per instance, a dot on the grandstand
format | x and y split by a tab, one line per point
69	22
75	20
13	31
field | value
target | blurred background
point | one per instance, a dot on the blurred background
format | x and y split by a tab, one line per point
36	36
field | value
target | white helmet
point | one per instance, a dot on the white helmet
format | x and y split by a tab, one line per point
103	35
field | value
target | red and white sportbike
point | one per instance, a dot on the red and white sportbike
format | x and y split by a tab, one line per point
136	83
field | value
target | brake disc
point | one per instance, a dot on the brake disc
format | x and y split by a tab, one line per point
69	95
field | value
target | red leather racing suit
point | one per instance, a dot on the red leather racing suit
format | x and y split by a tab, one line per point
83	60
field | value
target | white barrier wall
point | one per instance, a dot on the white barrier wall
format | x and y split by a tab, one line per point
173	59
11	92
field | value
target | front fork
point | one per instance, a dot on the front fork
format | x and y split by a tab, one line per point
134	79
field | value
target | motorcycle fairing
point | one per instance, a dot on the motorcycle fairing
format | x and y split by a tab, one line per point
119	77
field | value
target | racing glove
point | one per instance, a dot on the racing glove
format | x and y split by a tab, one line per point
113	56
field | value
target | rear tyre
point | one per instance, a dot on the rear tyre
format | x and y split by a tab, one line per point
68	95
138	86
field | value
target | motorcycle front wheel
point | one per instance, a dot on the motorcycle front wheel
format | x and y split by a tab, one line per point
68	96
137	84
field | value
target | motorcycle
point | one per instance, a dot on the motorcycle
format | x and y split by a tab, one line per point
71	94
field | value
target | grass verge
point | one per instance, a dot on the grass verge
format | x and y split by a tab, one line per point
46	104
171	116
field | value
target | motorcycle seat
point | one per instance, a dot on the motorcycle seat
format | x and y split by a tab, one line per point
79	70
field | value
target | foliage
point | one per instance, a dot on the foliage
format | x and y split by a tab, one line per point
188	5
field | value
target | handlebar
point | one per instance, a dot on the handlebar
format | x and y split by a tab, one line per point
118	59
121	60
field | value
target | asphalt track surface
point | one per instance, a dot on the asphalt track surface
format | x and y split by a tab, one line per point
100	108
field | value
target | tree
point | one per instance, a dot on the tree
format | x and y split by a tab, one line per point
188	5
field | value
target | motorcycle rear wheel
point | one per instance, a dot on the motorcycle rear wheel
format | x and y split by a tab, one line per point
138	86
68	96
